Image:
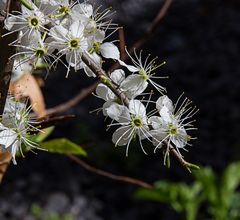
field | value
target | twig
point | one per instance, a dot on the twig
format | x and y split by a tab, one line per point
74	101
109	175
89	90
100	73
122	42
153	27
5	63
5	77
7	8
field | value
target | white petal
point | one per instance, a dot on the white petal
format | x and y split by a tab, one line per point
134	85
137	108
119	113
103	92
158	136
106	105
110	51
76	29
121	136
165	101
97	59
166	115
131	68
83	9
156	122
118	76
7	137
99	36
181	138
58	32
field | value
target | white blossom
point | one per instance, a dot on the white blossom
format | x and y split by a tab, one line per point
69	42
143	73
133	121
173	123
28	23
14	127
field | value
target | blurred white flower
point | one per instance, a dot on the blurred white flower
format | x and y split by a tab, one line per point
14	127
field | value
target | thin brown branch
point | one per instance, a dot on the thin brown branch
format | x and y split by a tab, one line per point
109	175
5	63
7	8
101	74
122	42
151	31
74	101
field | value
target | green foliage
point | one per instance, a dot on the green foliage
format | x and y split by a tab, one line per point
183	198
42	136
63	146
39	214
220	193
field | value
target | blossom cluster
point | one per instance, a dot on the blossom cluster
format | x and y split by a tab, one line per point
52	31
68	27
15	127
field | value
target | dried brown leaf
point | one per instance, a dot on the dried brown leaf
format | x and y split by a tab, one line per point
28	86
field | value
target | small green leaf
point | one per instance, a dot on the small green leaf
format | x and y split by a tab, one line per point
63	146
27	4
42	136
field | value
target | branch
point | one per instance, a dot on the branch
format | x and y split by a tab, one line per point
151	31
74	101
125	179
5	77
100	73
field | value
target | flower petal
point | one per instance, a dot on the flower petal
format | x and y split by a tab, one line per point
122	135
7	137
119	113
134	85
165	101
137	108
118	76
181	138
110	51
131	68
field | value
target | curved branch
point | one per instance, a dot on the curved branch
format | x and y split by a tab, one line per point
109	175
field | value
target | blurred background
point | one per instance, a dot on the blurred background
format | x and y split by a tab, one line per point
199	40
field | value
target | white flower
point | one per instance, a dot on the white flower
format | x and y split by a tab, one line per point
14	127
144	73
69	42
34	53
107	49
28	23
82	12
171	127
94	20
133	121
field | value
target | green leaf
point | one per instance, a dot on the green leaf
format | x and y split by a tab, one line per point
207	178
229	183
63	146
27	4
42	136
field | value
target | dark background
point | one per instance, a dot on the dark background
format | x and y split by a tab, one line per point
200	41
